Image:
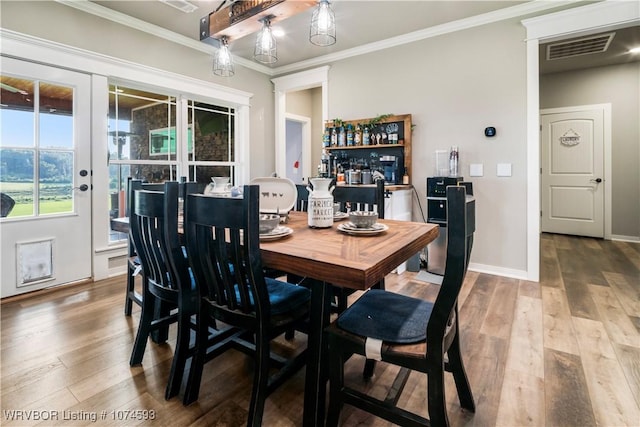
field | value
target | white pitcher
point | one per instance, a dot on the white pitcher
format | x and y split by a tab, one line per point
320	208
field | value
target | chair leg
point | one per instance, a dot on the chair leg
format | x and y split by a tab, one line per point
435	395
260	380
161	309
197	362
144	329
336	378
131	284
460	376
180	356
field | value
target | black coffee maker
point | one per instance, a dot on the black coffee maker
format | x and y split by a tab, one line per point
390	169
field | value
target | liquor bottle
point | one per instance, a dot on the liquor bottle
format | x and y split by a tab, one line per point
326	137
357	137
334	137
365	136
349	135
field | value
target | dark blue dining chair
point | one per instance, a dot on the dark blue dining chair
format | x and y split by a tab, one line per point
223	248
411	333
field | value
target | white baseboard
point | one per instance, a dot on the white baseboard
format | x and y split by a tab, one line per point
632	239
499	271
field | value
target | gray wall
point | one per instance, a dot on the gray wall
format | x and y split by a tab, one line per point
54	21
454	86
620	86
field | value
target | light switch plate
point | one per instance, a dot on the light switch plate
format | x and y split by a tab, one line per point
476	169
503	169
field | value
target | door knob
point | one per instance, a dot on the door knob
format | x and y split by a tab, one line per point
597	180
83	187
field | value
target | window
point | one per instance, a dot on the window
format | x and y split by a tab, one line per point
36	147
158	137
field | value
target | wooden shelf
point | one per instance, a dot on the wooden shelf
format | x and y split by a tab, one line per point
404	133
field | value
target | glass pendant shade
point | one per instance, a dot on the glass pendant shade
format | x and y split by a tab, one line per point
222	63
323	25
265	50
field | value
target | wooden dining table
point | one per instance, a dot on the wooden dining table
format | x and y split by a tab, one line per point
327	256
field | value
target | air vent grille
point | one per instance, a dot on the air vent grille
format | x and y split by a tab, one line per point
577	47
182	5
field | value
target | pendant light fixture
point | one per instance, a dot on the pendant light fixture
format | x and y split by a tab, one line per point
222	63
323	25
265	50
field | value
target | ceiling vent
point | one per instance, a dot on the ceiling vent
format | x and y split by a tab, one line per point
182	5
577	47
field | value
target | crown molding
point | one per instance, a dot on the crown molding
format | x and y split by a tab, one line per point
38	50
519	10
140	25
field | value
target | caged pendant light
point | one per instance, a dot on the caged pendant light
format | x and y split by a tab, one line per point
222	62
323	25
265	50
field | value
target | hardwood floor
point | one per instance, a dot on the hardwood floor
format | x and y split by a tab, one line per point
562	352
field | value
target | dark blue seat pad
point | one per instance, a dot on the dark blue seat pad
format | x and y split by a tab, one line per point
387	316
284	297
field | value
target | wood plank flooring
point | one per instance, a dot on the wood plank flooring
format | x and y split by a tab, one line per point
562	352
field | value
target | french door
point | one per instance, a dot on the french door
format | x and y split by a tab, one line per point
45	170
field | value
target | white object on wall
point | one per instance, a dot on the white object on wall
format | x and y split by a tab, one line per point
503	169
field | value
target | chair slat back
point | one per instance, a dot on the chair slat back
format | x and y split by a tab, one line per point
223	244
460	229
154	230
363	198
302	202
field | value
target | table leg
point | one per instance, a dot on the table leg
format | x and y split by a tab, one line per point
316	375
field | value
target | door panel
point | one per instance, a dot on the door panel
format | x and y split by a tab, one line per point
572	163
45	118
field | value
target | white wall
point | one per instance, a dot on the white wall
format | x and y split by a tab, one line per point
620	86
454	86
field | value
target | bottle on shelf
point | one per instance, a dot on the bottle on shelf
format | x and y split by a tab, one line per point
366	140
357	136
326	137
334	137
349	135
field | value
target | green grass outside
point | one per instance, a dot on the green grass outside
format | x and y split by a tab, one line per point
54	198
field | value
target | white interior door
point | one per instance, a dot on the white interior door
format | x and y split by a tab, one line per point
573	172
46	170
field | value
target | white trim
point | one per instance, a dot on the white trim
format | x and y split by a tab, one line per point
299	81
44	51
606	127
499	271
631	239
600	16
524	9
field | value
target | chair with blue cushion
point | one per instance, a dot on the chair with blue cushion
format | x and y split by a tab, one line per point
223	247
411	333
168	295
